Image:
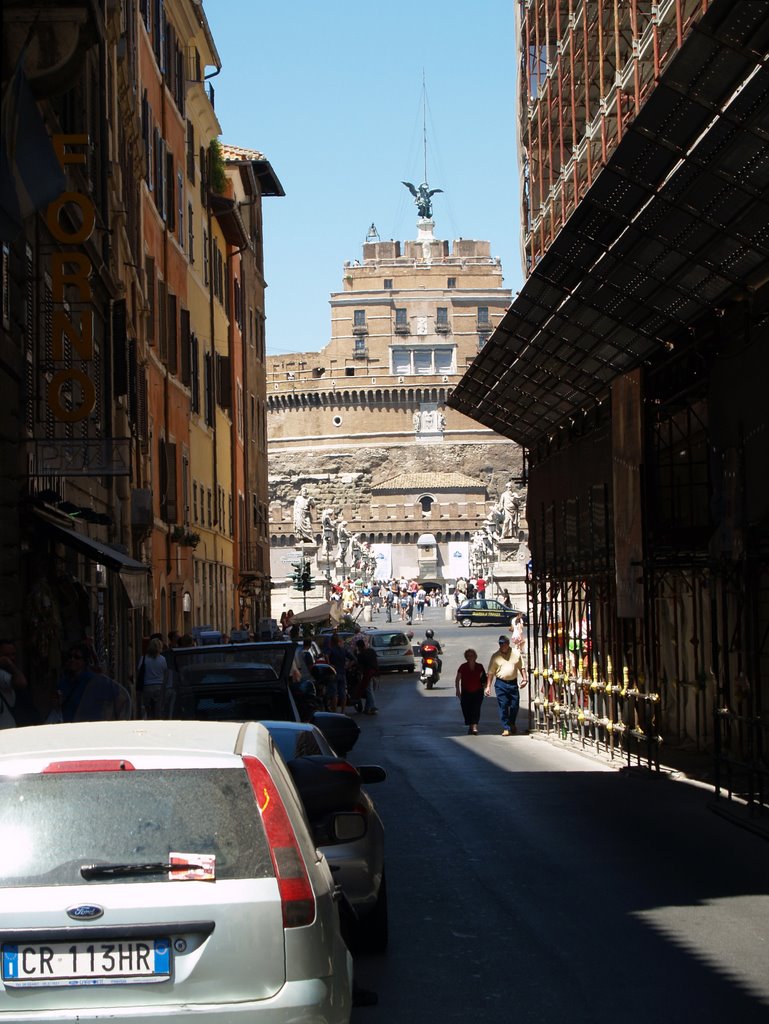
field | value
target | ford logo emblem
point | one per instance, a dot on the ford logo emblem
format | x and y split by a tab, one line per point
85	912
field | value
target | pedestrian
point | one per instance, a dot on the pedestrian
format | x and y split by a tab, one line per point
420	597
368	663
516	629
13	683
506	598
85	695
151	677
506	669
337	659
470	683
389	601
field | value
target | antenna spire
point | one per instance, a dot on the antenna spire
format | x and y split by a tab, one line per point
424	121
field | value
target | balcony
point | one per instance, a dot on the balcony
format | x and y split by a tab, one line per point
443	328
360	352
402	329
359	329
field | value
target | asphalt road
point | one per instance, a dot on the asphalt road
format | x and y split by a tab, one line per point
528	883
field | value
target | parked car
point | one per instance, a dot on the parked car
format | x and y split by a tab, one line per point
344	822
244	682
485	612
393	648
155	869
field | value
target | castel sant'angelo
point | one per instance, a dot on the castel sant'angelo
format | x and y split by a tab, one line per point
362	428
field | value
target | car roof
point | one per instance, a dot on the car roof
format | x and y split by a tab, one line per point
176	741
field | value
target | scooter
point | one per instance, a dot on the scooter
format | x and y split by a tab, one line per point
431	666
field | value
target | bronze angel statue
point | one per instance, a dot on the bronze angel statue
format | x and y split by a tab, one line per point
422	197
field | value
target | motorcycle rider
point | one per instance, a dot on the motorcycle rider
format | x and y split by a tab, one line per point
430	641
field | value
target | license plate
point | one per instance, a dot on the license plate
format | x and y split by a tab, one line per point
86	963
428	671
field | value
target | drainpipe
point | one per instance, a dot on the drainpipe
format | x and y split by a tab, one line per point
212	326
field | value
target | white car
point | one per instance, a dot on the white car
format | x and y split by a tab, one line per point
155	869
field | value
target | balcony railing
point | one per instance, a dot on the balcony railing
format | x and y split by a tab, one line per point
359	329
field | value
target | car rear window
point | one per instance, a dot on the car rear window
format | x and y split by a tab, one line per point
53	824
389	640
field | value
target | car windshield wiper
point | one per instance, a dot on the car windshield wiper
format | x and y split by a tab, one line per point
89	871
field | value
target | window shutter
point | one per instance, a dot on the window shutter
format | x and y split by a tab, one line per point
170	192
223	382
173	343
149	269
162	322
119	345
171	500
184	346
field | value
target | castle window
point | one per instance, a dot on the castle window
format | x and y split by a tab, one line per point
388	283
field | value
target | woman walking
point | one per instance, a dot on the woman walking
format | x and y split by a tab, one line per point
470	681
154	677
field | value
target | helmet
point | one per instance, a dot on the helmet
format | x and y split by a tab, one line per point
429	634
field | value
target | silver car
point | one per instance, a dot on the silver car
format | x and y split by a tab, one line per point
393	648
158	869
347	828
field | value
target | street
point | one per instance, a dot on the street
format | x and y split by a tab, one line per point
531	883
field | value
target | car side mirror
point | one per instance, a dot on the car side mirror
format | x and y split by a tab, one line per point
371	773
341	731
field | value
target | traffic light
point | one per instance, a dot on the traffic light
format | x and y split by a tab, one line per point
301	577
308	583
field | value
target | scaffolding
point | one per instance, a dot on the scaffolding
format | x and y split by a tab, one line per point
586	70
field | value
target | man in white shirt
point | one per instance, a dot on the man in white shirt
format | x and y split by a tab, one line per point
507	672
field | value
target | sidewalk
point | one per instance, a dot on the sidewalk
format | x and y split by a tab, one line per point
678	764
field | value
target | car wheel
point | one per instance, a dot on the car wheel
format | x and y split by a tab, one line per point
373	930
465	622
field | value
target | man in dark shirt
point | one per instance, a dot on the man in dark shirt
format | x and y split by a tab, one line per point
368	663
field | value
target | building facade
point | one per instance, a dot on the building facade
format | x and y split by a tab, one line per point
630	368
364	423
132	317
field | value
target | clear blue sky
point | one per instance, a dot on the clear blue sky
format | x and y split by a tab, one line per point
331	93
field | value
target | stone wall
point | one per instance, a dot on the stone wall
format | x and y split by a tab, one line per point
344	478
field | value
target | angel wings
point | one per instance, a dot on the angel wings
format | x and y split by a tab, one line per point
422	197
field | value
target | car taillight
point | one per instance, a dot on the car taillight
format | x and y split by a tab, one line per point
296	895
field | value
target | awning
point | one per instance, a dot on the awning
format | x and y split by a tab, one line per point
329	611
673	227
105	554
133	576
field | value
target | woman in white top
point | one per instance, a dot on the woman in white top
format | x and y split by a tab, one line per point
155	672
